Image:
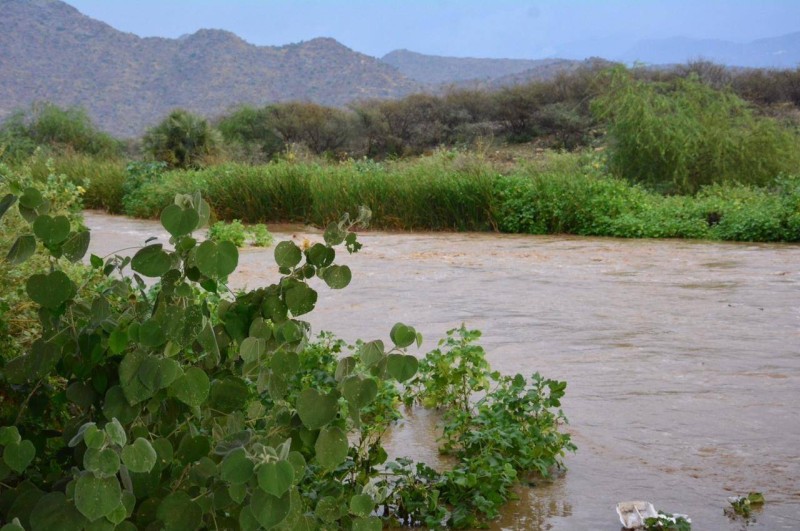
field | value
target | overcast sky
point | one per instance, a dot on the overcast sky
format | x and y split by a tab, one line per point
477	28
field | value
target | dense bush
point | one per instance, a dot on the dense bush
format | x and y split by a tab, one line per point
60	129
250	134
182	140
680	136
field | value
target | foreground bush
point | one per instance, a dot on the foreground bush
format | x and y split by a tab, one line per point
179	406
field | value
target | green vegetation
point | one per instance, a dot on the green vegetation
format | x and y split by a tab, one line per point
237	234
183	406
182	140
682	135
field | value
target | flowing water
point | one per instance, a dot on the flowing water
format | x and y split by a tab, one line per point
682	358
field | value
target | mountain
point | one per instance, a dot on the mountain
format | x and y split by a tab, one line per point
49	51
437	70
773	52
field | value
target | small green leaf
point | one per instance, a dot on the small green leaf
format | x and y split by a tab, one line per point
371	353
116	433
151	261
23	248
252	349
50	291
179	221
337	277
140	456
236	468
192	388
118	341
18	455
116	405
361	505
287	254
315	409
331	447
276	478
345	367
401	367
97	497
76	246
402	335
94	437
334	235
217	260
9	435
51	230
320	255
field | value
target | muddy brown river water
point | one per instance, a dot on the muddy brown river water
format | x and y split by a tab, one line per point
682	358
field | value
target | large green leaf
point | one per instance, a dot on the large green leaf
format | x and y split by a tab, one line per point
331	447
329	509
359	392
361	505
334	235
320	255
236	468
116	405
315	409
23	248
151	261
76	245
50	291
139	456
300	299
216	260
252	349
367	524
287	254
97	497
18	455
31	198
337	277
179	221
179	512
229	394
102	463
51	230
401	367
275	478
54	512
192	388
6	203
269	510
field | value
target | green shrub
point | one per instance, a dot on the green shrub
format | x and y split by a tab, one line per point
182	140
680	136
233	232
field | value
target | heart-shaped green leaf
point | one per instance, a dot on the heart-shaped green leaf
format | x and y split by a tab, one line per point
276	478
229	394
97	497
361	505
403	335
216	260
179	512
179	221
337	277
31	198
116	433
334	235
300	299
50	291
139	456
359	392
331	447
53	511
76	246
51	230
192	388
9	435
320	255
315	409
287	254
23	248
372	523
236	468
151	261
401	367
269	510
329	509
102	463
18	455
344	368
371	353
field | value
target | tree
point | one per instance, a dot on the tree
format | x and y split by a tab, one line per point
182	140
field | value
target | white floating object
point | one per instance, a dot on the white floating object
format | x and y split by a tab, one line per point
633	513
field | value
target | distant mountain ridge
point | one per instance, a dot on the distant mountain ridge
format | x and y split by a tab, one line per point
50	51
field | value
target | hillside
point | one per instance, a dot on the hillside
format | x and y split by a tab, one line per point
50	51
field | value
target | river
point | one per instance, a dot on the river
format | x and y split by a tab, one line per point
682	357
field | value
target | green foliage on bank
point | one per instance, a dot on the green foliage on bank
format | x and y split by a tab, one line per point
180	405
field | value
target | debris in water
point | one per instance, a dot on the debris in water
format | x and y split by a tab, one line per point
642	515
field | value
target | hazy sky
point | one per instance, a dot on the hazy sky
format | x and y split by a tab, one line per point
483	28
